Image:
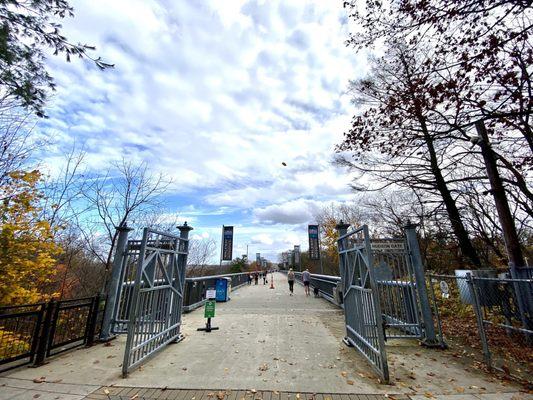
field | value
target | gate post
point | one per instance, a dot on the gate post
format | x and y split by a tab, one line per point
430	338
342	229
114	283
182	267
182	258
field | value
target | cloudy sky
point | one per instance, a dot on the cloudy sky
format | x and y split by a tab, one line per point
215	94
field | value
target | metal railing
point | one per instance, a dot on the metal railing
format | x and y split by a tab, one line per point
486	317
328	286
194	293
30	333
19	332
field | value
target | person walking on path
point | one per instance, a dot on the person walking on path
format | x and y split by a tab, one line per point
290	279
256	278
306	278
264	278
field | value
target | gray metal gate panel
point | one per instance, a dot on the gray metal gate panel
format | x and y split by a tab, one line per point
395	280
156	303
130	262
362	309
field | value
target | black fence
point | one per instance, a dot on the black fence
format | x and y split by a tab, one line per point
194	292
30	333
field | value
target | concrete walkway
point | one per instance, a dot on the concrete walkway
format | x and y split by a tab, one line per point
268	341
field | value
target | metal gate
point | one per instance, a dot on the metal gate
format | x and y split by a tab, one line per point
154	312
362	309
396	285
385	294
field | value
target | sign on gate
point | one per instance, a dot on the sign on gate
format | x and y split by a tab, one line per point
227	243
314	242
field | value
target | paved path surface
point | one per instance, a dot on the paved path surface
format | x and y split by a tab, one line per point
268	341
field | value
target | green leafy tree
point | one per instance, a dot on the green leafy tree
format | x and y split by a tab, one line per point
238	265
27	29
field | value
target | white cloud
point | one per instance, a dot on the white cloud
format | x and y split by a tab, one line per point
297	211
216	95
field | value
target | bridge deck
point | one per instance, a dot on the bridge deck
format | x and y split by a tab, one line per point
268	341
127	393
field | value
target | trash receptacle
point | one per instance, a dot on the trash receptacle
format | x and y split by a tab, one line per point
223	286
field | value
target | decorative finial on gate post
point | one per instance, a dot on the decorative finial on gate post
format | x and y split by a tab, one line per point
184	230
342	228
123	227
409	225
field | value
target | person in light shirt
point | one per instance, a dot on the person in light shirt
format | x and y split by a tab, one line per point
306	278
290	279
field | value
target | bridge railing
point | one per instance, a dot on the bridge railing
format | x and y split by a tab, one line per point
195	288
328	285
32	332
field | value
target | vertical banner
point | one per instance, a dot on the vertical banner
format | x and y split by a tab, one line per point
227	243
285	258
314	242
258	258
297	255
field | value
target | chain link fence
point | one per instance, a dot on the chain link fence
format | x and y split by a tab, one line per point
487	320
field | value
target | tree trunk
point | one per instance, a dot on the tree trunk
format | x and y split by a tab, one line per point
512	242
465	245
467	249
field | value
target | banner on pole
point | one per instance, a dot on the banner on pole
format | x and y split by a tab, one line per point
258	258
297	254
227	243
314	242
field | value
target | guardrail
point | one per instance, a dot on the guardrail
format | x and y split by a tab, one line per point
327	286
194	292
29	333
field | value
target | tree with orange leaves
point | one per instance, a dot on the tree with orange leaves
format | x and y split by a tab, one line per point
27	248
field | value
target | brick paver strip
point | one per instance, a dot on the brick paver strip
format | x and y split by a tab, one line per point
129	393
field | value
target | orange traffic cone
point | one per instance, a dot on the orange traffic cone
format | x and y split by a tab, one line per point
272	281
